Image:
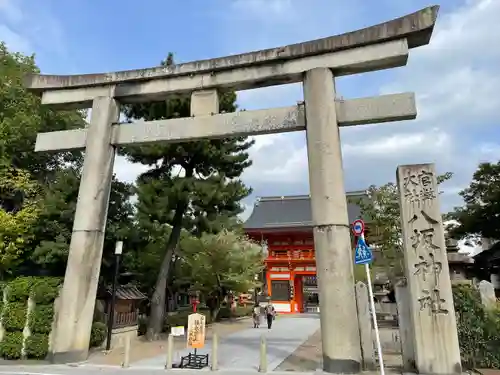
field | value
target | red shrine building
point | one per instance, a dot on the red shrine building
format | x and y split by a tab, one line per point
284	226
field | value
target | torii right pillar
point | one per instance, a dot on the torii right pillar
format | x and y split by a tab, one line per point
332	241
433	322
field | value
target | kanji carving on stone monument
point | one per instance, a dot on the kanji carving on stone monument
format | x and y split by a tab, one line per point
430	298
422	267
432	301
423	237
428	267
418	186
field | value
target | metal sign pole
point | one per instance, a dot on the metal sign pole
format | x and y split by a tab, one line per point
374	316
363	255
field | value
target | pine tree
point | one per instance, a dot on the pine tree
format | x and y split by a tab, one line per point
192	185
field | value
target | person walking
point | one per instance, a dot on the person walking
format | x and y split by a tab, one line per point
256	316
270	314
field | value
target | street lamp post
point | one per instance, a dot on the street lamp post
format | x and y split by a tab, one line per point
118	253
255	294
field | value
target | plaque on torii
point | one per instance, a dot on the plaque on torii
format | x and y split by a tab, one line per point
315	63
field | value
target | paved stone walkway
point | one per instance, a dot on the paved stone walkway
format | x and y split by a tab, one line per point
241	350
142	349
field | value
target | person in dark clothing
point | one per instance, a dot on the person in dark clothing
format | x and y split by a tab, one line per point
270	314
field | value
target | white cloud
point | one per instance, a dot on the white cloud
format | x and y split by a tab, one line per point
126	171
28	25
394	145
247	211
490	151
456	81
11	14
455	78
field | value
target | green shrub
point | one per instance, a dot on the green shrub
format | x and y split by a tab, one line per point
19	289
41	319
239	311
180	318
244	311
45	290
14	317
37	346
478	329
200	307
142	326
97	334
224	313
12	345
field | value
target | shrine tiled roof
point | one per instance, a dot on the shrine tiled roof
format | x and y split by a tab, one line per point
490	256
128	292
292	211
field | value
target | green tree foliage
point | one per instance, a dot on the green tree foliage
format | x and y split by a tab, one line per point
19	210
381	211
54	226
22	116
146	244
216	264
480	215
191	185
478	329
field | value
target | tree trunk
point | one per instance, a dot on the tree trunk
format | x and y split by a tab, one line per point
156	319
215	313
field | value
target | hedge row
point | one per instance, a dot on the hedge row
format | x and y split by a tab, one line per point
180	318
43	291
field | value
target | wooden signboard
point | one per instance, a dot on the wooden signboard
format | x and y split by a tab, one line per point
196	331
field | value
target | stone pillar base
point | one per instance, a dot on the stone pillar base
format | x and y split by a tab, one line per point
119	335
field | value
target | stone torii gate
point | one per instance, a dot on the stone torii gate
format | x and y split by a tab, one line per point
316	64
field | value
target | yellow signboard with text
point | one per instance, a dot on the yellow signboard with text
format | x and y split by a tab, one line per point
196	331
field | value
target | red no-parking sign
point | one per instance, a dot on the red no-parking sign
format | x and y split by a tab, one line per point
358	227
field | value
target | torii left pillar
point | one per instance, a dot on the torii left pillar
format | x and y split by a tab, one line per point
71	337
70	340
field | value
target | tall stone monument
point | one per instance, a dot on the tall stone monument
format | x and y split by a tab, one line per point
315	63
432	313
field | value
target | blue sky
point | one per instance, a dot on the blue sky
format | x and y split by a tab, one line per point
455	78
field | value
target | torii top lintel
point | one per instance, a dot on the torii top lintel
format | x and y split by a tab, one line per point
416	28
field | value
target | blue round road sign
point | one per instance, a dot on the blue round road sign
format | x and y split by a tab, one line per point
358	227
